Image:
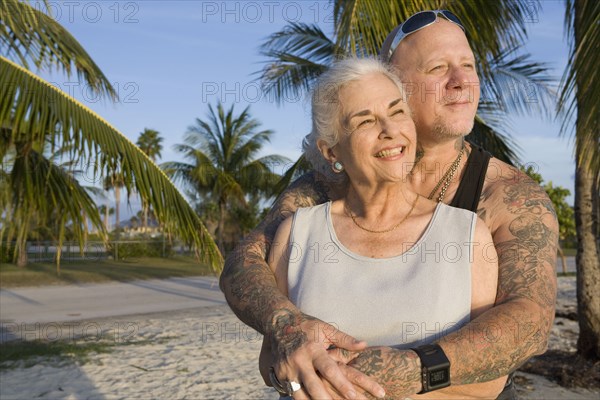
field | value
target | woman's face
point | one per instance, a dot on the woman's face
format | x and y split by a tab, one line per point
377	136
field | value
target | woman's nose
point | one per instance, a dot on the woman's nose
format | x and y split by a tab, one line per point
387	128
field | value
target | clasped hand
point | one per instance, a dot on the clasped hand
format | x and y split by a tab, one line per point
314	353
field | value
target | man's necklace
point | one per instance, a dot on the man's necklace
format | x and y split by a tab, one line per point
447	178
412	207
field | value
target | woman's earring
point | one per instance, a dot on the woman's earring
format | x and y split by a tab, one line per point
337	167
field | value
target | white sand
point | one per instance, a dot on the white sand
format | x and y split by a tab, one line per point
193	354
203	353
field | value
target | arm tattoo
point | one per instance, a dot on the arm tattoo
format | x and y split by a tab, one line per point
397	371
287	333
517	327
247	281
533	248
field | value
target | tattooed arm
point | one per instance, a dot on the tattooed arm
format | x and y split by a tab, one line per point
250	289
525	232
247	281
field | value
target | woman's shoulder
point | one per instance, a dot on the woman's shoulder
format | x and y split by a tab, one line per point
454	212
312	210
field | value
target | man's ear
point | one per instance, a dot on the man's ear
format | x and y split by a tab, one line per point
326	151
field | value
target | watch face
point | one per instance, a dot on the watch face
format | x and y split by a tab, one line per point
438	377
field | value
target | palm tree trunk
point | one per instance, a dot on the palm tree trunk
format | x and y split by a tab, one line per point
22	252
85	229
117	216
586	223
117	203
221	227
106	217
562	259
588	262
145	217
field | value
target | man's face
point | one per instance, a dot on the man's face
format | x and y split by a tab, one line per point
437	67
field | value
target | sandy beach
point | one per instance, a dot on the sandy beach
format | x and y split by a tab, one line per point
197	353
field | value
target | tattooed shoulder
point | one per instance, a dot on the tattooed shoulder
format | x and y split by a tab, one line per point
509	193
308	190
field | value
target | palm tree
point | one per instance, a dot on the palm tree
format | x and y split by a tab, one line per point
222	165
579	98
149	142
115	182
33	113
106	211
299	53
51	182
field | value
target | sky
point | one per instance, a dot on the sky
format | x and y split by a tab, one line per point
168	60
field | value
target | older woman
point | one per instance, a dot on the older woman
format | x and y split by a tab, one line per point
381	252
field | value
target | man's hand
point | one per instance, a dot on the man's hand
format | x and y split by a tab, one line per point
398	371
299	344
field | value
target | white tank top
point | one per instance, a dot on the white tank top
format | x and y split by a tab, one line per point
403	301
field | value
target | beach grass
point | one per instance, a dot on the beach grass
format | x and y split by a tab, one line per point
99	271
28	353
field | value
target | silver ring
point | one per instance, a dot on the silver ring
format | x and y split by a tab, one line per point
285	388
295	386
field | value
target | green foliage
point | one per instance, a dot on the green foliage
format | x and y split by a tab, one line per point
20	353
564	213
222	167
95	269
533	174
141	248
7	249
35	114
150	143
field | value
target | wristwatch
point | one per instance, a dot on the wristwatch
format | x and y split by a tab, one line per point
435	367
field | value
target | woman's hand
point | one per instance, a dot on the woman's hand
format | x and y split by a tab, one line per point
299	353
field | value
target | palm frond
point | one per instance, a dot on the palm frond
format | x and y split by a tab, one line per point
490	138
259	176
31	107
300	167
362	25
518	85
580	84
28	34
42	189
296	56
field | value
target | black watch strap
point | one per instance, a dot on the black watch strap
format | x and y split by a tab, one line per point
435	367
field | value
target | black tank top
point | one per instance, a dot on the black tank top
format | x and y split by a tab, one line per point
469	189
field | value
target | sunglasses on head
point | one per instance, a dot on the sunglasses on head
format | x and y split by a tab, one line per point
417	22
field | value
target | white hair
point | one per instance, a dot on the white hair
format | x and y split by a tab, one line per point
326	107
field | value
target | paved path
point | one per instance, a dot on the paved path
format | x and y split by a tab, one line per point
81	302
